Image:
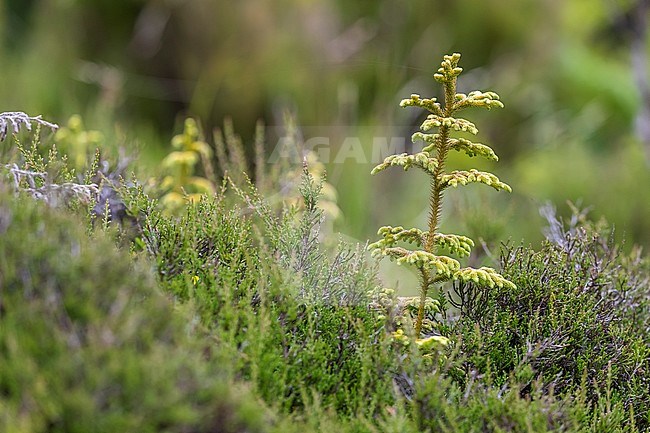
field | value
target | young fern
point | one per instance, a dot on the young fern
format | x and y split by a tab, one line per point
432	267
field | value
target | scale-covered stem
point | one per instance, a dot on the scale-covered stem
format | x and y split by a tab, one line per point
450	96
435	200
426	282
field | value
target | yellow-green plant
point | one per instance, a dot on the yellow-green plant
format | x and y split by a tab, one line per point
433	267
181	183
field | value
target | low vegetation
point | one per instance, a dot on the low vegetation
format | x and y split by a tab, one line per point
235	311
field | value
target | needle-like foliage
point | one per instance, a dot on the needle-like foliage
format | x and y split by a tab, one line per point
433	267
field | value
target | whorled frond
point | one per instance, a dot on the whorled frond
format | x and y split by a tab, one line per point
393	235
463	177
484	277
430	105
472	149
457	124
12	121
456	244
477	99
180	158
432	139
442	267
421	160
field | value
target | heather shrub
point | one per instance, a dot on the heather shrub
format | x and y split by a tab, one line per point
88	343
294	316
575	326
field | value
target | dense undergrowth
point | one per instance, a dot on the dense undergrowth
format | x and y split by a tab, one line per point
238	314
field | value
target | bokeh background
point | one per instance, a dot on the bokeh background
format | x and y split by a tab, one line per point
573	76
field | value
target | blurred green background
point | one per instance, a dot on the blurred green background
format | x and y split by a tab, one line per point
573	100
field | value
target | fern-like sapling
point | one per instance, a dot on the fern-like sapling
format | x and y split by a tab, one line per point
434	268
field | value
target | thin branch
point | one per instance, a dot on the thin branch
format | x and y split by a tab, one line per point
14	120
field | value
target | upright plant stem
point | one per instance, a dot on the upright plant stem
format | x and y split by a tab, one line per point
433	268
435	201
423	297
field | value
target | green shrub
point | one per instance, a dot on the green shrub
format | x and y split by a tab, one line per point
575	324
444	406
296	323
87	343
